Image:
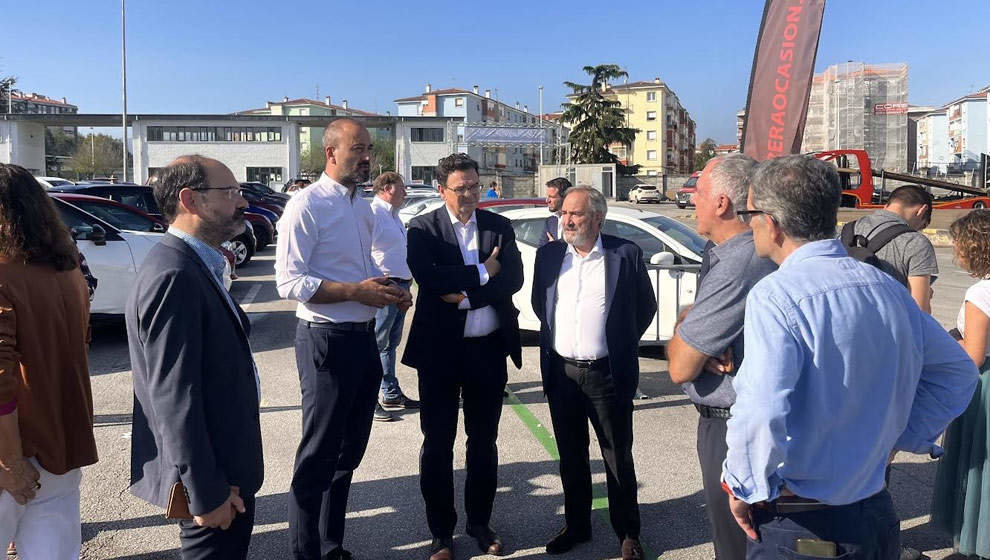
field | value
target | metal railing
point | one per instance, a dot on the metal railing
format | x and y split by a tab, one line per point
680	273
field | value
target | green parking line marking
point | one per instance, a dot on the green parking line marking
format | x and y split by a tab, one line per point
599	494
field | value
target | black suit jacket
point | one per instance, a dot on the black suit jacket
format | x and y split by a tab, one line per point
195	397
436	263
549	229
629	300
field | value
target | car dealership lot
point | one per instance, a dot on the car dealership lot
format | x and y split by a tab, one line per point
386	518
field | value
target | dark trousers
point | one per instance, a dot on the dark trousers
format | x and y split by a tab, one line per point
339	375
477	373
205	543
576	395
865	530
729	539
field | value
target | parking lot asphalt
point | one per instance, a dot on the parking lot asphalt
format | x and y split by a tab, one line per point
386	514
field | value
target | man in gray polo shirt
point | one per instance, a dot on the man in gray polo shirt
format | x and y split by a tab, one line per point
909	257
708	342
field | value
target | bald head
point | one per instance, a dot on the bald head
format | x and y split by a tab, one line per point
347	146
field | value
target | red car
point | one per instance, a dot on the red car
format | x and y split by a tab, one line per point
687	191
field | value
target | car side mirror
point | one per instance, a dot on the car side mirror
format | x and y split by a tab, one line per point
662	259
98	236
157	227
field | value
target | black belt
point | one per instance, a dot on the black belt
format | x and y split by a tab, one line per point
363	327
585	364
791	504
712	411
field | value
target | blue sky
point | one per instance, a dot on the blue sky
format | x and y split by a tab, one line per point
208	56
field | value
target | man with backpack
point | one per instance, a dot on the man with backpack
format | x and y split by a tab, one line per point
890	239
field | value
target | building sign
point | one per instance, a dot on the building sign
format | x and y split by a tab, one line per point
890	109
505	135
783	66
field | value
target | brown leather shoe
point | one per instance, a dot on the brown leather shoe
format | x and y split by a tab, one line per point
488	540
442	549
631	549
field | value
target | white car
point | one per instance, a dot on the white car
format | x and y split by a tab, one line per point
644	193
417	206
113	256
671	249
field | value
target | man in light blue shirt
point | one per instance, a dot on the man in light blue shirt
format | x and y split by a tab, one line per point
841	369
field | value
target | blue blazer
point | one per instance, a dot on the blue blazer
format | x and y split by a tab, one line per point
629	302
549	229
435	260
195	397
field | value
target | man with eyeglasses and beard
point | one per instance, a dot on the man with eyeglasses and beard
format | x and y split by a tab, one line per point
467	266
196	437
323	261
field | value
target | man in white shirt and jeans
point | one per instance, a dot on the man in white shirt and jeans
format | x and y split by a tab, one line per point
323	261
388	250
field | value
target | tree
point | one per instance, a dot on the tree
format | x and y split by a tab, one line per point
96	155
6	87
59	147
596	121
312	161
382	157
706	151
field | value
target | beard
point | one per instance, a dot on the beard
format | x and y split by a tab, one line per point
578	237
358	175
225	228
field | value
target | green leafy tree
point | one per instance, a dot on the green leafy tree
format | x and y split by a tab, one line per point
59	147
312	161
382	157
706	151
596	121
97	155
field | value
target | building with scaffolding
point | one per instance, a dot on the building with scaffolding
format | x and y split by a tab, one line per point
857	105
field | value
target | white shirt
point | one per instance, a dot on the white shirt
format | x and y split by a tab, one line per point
579	312
325	234
482	321
979	295
388	242
560	226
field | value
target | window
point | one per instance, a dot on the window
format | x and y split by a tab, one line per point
423	173
651	135
118	217
651	155
646	241
264	175
651	96
651	173
459	102
214	134
426	134
529	231
651	115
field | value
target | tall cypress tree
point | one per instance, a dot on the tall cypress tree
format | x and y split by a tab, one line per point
597	122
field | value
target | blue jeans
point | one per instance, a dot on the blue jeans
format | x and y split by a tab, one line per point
865	530
388	332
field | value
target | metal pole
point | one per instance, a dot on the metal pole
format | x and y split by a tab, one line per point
541	125
92	149
123	77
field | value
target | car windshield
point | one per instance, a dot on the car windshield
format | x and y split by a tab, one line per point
680	232
690	183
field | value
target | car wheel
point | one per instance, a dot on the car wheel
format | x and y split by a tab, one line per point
242	250
263	240
979	205
681	206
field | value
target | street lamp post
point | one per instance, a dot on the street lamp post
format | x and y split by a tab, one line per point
541	125
123	77
92	150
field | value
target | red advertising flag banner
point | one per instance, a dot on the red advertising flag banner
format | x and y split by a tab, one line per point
780	84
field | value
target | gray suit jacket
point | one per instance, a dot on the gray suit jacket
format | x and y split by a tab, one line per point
195	398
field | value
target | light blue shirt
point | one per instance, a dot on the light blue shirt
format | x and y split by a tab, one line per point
215	263
841	368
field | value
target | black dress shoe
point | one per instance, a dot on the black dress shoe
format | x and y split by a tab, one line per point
339	554
442	549
488	540
566	539
631	549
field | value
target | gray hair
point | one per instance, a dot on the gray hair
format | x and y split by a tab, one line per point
730	176
801	193
595	198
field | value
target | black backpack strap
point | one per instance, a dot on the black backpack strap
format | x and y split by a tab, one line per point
848	235
887	235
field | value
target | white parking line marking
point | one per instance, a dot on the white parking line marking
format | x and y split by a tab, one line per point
249	298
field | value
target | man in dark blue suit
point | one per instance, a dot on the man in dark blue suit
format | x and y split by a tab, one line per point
556	191
196	434
594	300
467	266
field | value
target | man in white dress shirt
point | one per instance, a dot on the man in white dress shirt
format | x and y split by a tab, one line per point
388	250
467	266
323	261
589	344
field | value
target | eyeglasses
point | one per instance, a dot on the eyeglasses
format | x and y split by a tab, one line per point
231	191
747	215
461	191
